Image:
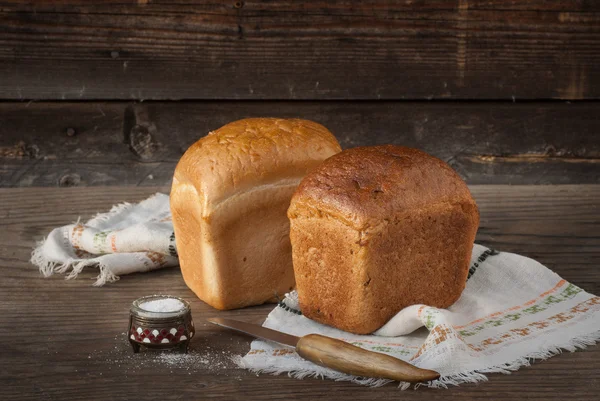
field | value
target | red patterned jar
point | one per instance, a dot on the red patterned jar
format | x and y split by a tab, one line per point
160	322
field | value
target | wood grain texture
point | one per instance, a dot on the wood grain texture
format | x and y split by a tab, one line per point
121	143
376	49
67	338
348	358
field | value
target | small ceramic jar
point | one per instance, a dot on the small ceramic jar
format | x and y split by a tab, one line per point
160	327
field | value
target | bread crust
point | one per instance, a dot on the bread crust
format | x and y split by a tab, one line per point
376	229
251	152
230	193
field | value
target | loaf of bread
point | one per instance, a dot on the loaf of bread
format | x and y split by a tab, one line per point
230	194
376	229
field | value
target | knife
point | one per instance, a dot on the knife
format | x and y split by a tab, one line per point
336	354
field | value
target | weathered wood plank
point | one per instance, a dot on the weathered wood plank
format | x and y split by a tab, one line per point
91	143
450	49
67	338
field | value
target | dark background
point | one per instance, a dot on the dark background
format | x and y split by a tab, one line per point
113	92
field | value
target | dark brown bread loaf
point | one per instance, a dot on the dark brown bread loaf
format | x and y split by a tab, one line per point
376	229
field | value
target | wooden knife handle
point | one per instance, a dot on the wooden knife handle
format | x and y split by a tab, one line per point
347	358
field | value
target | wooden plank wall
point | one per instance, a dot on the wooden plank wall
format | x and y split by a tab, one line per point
118	143
422	49
505	91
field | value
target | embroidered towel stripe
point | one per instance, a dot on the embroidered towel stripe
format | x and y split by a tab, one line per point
513	308
127	239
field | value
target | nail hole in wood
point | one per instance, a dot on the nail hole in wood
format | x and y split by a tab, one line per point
69	180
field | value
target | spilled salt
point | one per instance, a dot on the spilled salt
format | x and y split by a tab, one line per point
184	360
163	305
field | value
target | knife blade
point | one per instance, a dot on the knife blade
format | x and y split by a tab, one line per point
255	330
336	354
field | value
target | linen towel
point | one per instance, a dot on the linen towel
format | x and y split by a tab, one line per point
512	310
127	239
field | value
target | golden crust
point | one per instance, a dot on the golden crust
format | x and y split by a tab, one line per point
376	229
255	151
229	198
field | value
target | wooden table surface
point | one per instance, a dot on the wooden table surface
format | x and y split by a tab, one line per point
66	339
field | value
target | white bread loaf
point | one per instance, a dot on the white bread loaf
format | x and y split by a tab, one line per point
230	194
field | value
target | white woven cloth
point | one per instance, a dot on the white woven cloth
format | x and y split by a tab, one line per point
128	239
513	310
